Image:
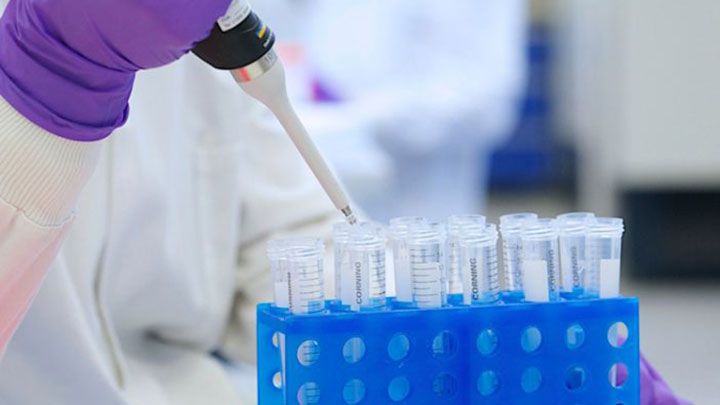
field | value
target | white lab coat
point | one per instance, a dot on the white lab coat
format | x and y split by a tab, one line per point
165	259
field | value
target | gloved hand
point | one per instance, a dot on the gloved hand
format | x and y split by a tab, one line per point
653	389
69	65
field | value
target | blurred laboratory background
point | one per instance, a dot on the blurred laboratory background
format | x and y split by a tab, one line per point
495	106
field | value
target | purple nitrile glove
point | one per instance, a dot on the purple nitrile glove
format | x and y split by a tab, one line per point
653	389
68	65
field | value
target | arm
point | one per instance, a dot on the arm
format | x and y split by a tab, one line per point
66	72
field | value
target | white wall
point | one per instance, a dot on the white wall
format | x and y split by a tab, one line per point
638	81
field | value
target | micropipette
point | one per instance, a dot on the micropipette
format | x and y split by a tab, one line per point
241	43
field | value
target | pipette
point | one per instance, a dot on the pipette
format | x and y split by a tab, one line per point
241	43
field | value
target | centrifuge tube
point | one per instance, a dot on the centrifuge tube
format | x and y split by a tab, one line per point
363	283
398	233
278	266
510	227
304	271
478	264
341	257
603	243
571	231
539	262
426	245
455	224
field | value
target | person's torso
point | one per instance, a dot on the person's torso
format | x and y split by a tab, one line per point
140	292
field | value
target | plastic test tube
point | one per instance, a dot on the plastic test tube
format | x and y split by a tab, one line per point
478	264
426	245
455	224
300	274
278	267
341	256
539	263
510	227
398	233
571	232
363	280
603	245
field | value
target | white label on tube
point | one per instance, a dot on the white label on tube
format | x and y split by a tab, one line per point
535	280
236	13
359	289
403	284
281	294
609	278
347	280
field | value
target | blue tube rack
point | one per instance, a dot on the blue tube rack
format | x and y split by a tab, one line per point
567	352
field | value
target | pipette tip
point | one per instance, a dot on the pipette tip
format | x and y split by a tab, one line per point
349	216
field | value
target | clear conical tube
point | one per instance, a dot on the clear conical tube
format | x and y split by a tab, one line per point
298	279
455	224
478	264
398	233
603	245
363	284
426	245
539	264
572	228
510	228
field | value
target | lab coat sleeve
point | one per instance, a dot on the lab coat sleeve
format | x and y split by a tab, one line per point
41	176
280	198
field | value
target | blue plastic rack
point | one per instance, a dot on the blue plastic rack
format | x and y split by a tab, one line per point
568	352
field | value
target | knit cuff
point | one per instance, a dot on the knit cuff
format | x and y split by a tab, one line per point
41	174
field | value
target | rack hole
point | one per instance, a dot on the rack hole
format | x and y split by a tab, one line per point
445	386
575	336
531	339
354	391
618	375
487	342
444	345
276	339
354	350
488	383
398	347
618	334
575	378
398	389
308	352
309	394
277	380
531	379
